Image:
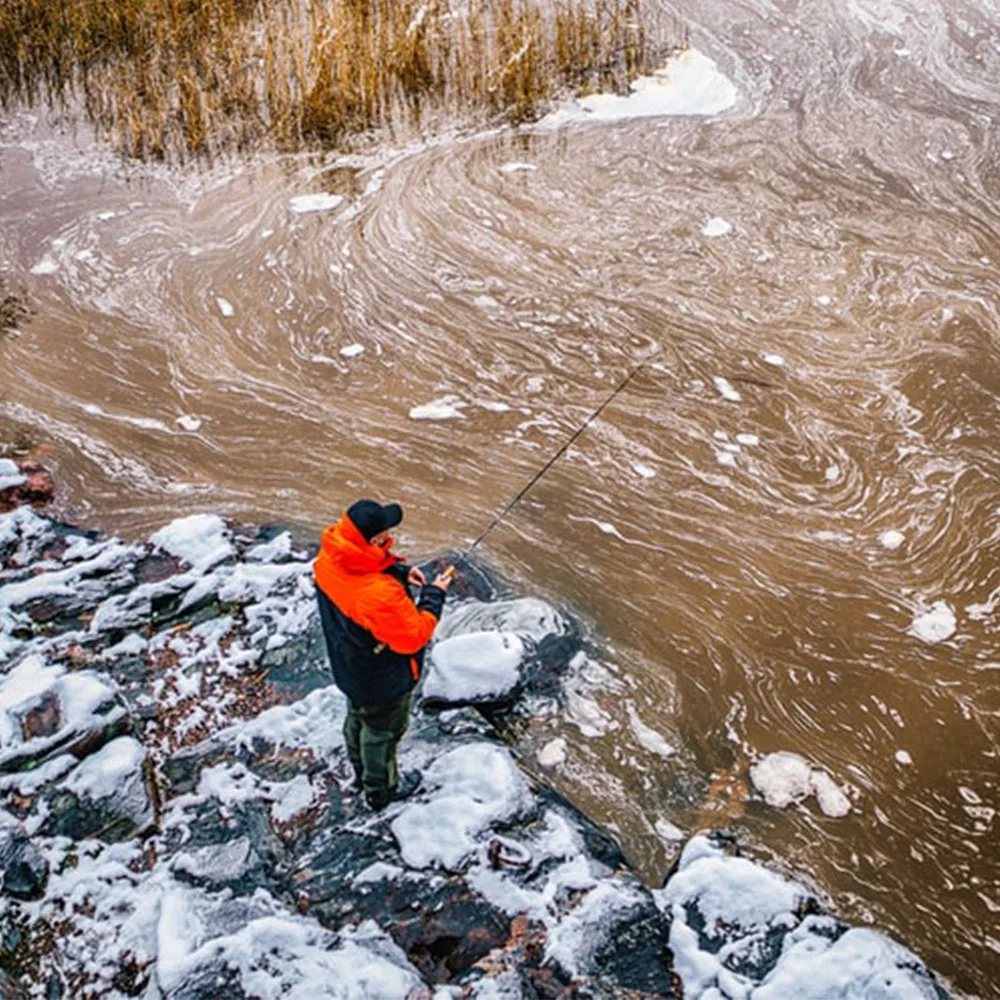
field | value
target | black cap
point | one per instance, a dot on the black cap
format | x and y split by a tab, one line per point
370	517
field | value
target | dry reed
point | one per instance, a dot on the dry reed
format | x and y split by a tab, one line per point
181	78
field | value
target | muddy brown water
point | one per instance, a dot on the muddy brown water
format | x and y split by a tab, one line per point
748	603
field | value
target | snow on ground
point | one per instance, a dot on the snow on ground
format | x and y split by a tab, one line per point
10	475
475	667
648	738
690	84
786	779
201	540
936	624
472	788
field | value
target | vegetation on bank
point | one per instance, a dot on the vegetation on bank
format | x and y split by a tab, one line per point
13	307
181	78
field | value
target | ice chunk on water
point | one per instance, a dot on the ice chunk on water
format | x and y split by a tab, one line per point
476	667
189	423
643	470
225	307
553	753
785	778
515	166
352	350
891	539
716	226
725	388
935	625
773	359
305	203
445	408
648	738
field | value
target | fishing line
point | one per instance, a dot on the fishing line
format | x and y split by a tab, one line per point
512	503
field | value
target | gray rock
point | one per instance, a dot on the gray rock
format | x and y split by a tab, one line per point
23	869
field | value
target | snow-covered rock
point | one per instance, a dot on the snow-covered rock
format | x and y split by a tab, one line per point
475	668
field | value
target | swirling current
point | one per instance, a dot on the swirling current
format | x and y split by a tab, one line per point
803	557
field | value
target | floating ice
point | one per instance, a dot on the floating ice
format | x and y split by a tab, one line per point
225	307
823	300
643	470
352	350
304	203
748	439
10	474
446	408
716	227
773	359
513	167
891	539
476	667
725	458
785	778
648	738
690	84
553	753
189	423
903	757
45	266
725	388
935	625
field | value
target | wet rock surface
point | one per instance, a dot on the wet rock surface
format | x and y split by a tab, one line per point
177	817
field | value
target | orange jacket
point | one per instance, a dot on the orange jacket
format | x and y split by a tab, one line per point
350	571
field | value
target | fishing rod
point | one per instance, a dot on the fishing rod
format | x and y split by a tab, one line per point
518	497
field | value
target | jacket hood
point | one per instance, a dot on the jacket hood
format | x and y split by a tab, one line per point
344	544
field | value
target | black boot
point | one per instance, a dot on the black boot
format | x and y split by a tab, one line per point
406	785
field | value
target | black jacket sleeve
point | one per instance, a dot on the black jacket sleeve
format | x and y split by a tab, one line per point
431	599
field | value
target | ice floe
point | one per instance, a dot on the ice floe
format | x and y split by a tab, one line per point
225	307
786	779
352	350
936	624
305	203
10	474
690	84
716	227
516	166
725	389
445	408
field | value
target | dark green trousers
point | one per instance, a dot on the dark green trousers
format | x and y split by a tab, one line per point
372	733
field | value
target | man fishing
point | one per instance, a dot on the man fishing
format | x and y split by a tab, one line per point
375	637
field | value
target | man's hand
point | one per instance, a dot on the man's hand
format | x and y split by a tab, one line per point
444	580
416	577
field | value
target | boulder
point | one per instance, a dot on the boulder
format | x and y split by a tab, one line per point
476	668
104	797
23	869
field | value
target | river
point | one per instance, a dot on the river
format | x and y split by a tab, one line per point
753	554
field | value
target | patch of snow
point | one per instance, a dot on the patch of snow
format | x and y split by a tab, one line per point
10	474
725	389
305	203
935	625
471	788
445	408
716	226
225	307
476	667
223	862
280	547
115	771
297	796
200	540
690	84
352	350
670	833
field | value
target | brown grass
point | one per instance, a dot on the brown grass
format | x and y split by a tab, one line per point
183	78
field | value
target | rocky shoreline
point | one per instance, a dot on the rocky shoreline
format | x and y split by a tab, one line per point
177	821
